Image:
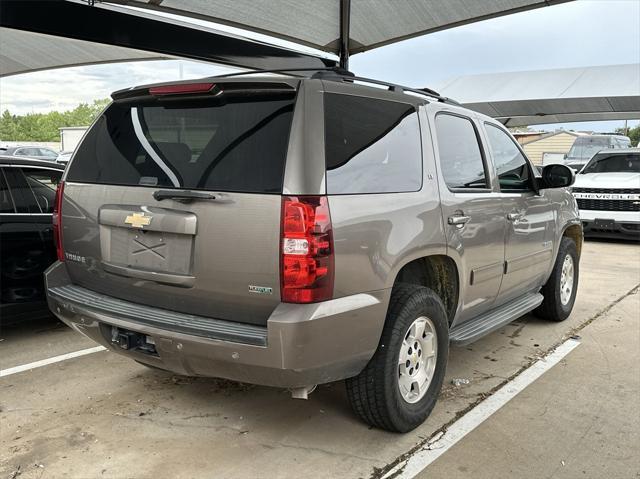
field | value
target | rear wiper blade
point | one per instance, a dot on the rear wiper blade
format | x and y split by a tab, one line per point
185	196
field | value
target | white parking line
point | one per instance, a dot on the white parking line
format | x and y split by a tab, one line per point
45	362
422	458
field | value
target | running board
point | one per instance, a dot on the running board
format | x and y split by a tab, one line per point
486	323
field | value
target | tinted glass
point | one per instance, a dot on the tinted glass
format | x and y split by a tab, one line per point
25	152
629	163
460	155
512	167
224	144
6	202
43	184
371	146
47	153
23	198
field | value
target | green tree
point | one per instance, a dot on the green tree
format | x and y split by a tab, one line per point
634	134
44	126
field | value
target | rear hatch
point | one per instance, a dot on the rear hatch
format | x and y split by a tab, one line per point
173	199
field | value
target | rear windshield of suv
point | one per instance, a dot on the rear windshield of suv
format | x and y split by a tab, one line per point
222	144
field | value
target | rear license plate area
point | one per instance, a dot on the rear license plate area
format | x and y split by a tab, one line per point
151	250
163	243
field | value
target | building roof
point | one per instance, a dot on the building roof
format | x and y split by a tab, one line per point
555	133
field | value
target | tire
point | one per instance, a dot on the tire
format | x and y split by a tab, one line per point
375	394
556	306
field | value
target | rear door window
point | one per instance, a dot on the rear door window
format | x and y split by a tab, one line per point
23	197
43	184
6	200
371	146
224	144
461	157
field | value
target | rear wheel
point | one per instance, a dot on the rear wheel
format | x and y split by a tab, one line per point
560	290
399	387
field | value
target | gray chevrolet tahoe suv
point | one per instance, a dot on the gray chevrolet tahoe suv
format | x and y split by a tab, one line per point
292	231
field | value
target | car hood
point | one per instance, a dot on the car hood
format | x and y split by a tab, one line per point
608	180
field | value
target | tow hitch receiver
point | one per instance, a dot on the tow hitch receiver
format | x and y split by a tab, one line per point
132	341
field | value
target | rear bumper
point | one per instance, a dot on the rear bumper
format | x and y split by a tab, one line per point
301	345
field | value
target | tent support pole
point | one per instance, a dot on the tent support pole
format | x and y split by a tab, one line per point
345	20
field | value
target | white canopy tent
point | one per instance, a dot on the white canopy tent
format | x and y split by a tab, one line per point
22	52
318	23
552	96
340	27
44	34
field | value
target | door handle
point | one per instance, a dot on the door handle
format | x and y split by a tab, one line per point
514	216
458	220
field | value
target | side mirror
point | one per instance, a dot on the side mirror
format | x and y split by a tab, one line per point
556	176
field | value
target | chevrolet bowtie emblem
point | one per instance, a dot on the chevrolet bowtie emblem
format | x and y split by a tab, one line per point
138	220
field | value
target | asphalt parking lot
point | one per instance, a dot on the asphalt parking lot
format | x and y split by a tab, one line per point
102	415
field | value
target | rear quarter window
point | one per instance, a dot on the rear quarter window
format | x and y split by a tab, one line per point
371	146
222	144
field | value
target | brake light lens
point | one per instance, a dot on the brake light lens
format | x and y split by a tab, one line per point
181	89
56	220
306	246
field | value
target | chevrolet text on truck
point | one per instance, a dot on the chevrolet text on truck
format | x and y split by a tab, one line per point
293	231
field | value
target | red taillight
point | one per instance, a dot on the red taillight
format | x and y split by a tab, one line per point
181	89
306	246
57	221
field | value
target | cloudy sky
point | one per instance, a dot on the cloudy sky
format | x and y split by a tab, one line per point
575	34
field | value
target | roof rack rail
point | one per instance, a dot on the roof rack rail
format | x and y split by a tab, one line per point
329	73
337	73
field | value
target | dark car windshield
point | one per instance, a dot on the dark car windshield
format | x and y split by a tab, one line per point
629	163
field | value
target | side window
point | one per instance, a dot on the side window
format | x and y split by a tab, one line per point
47	153
28	152
43	184
512	167
371	146
6	201
23	200
460	154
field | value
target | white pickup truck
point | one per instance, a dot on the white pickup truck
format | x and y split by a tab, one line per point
607	190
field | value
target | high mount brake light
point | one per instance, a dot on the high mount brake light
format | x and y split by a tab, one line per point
306	250
56	220
181	89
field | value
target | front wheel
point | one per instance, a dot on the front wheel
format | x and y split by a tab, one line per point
399	387
560	290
